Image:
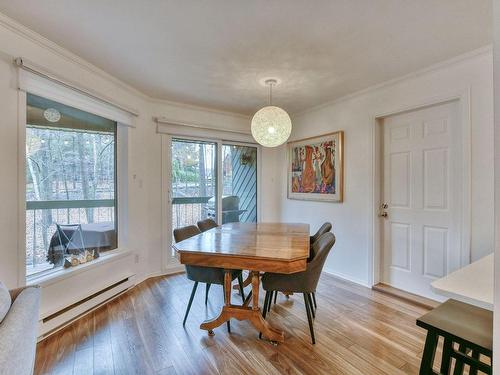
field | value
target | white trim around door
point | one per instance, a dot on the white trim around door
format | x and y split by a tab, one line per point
375	244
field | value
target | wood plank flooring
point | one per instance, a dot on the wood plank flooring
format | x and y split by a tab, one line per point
358	331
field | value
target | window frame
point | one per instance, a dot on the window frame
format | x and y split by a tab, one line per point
170	263
257	172
121	198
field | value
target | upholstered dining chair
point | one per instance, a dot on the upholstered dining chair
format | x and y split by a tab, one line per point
206	224
207	275
325	228
304	282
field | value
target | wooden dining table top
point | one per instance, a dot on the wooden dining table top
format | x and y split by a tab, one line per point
272	247
256	247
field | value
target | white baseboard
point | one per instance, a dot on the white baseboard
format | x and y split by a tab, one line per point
347	278
49	325
167	271
70	317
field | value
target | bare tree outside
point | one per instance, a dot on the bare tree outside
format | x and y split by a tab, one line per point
70	170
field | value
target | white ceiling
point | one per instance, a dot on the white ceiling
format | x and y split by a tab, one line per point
213	53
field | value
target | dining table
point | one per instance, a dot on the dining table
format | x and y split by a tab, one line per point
256	247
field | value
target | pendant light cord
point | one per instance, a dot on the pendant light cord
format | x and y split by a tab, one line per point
270	93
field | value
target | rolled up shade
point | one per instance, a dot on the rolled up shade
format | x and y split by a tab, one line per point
36	81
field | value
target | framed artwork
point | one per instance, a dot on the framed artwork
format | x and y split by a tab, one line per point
316	168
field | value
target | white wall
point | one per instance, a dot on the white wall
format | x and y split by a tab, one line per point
354	114
351	224
144	208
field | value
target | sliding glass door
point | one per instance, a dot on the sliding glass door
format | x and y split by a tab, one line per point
194	182
239	196
210	179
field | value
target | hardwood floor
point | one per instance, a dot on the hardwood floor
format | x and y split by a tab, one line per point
358	331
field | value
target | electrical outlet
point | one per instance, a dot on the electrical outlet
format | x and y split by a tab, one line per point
137	258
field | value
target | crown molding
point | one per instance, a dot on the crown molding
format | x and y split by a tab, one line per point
26	33
71	57
392	82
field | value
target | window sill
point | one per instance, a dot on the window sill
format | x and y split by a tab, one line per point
65	273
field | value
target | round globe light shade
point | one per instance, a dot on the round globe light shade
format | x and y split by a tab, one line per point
271	126
52	115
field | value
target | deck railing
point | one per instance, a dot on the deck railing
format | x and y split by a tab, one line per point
41	219
188	210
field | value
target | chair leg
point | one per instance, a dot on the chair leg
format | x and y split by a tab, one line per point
313	312
275	296
264	309
267	302
459	365
429	353
193	292
309	316
228	323
314	300
473	369
271	293
240	283
207	288
446	358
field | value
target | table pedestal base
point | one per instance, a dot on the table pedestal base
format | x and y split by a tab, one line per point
245	313
253	314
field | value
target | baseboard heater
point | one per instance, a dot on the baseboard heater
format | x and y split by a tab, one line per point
60	319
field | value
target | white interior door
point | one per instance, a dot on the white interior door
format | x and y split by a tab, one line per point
422	191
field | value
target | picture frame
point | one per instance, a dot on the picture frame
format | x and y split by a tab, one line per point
316	168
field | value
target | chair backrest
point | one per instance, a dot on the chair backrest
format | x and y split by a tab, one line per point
325	228
181	234
321	248
206	224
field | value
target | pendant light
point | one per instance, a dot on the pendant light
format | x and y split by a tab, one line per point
271	125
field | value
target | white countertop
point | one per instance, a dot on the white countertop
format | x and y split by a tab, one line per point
471	284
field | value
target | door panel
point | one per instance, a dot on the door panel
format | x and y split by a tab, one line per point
193	182
400	239
435	251
436	179
422	189
239	181
400	172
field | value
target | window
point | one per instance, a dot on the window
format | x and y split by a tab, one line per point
194	182
239	176
71	192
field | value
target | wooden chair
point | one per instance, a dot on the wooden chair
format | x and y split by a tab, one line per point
206	224
467	327
304	282
207	275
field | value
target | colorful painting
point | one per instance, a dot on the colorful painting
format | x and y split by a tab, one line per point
315	169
